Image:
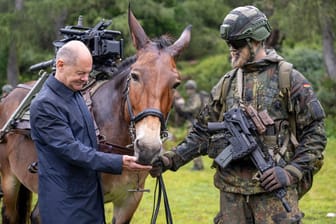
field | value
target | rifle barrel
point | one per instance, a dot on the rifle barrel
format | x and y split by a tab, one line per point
41	65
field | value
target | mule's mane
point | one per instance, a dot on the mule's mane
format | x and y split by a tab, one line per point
160	42
163	41
124	65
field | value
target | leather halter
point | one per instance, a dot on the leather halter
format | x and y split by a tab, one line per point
147	112
114	148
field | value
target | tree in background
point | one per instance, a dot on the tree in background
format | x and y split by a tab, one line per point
326	15
308	22
34	24
13	19
309	27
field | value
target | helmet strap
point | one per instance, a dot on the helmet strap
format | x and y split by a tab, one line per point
252	54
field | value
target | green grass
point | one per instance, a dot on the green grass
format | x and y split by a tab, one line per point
194	199
322	198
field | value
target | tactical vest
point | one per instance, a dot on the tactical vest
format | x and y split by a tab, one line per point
282	91
271	89
284	70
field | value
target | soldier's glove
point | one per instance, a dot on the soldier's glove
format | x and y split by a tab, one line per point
276	177
161	164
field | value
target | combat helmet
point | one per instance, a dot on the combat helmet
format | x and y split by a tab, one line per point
7	88
190	84
246	22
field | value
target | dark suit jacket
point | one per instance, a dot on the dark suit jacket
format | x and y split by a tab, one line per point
69	183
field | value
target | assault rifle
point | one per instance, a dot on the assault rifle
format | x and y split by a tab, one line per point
244	141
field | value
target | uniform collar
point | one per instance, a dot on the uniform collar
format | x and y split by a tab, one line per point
258	66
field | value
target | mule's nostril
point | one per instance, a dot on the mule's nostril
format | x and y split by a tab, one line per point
138	144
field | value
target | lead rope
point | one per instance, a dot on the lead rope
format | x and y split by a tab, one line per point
160	190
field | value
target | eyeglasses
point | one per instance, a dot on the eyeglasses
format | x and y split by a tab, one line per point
237	44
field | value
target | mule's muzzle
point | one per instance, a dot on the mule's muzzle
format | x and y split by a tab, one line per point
148	158
144	162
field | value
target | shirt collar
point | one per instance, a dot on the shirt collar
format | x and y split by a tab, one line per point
59	88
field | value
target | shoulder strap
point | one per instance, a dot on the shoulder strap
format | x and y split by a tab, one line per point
225	90
285	69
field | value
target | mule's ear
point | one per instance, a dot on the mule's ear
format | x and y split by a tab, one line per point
181	43
139	37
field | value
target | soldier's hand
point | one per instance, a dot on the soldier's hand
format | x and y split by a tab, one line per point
274	178
160	165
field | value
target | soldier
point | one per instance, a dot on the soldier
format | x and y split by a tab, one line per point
189	109
297	137
6	89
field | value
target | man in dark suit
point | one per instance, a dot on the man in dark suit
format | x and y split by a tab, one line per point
63	132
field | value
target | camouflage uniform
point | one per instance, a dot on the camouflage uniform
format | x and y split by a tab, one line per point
191	108
244	195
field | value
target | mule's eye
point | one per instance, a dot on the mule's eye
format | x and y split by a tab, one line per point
135	76
176	85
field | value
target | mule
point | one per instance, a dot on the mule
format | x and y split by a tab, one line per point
129	109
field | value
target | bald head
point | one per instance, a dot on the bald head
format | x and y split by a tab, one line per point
72	51
73	64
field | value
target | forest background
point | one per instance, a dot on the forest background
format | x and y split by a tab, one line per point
305	36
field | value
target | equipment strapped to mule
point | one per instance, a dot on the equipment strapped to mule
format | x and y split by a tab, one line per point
23	107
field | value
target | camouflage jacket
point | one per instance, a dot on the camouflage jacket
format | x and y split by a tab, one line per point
191	108
261	89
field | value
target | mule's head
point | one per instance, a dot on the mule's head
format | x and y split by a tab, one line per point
153	79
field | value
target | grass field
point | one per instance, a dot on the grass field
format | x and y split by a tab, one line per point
194	199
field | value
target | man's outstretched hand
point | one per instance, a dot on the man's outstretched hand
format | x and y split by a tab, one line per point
129	163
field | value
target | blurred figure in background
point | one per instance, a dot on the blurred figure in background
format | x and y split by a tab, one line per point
188	109
6	89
